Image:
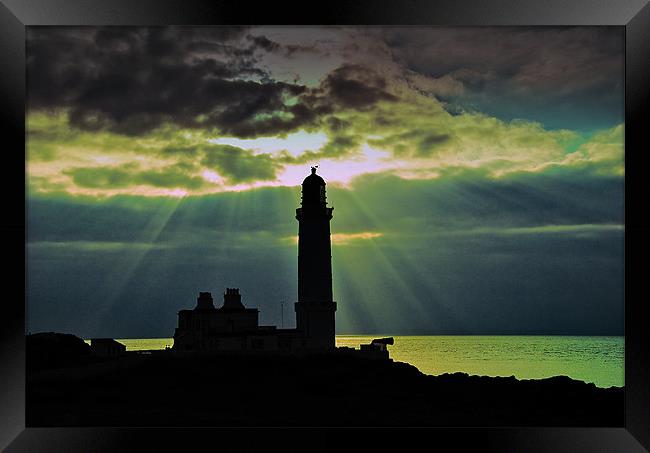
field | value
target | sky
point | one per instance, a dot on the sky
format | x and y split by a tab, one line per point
476	175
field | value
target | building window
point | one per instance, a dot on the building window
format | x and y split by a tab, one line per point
257	344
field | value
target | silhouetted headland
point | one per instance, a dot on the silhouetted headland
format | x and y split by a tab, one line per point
320	389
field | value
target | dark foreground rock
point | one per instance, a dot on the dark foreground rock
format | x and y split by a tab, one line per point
50	350
320	390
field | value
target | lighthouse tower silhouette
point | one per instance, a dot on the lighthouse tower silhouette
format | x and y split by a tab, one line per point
315	307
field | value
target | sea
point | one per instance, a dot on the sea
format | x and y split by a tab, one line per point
599	360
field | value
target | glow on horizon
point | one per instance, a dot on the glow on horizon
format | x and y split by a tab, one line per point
345	238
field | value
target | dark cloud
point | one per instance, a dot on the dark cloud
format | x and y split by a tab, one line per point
171	177
560	76
130	80
414	143
430	141
337	147
560	58
355	86
264	43
288	50
239	165
235	165
340	145
130	175
335	124
293	49
101	177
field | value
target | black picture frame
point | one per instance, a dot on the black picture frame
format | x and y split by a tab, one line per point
15	15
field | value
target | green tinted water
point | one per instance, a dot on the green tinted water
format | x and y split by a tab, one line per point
591	359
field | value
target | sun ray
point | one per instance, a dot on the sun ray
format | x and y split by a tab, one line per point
383	270
118	280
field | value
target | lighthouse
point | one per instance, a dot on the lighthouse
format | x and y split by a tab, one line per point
315	307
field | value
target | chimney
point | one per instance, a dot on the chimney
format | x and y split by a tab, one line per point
232	299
